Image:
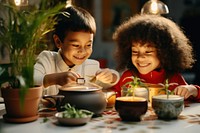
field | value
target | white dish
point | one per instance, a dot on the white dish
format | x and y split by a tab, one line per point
72	121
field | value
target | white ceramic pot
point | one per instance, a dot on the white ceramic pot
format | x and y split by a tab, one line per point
141	92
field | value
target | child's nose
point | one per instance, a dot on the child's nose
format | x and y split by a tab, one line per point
141	55
81	50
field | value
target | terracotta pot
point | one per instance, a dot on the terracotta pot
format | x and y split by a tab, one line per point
167	109
17	113
87	96
131	108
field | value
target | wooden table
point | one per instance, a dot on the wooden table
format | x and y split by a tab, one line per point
109	122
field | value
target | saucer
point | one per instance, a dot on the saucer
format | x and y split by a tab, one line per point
72	121
20	120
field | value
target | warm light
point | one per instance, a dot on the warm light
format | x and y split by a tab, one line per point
21	2
17	2
68	3
154	7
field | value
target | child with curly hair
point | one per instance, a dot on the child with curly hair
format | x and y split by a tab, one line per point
154	48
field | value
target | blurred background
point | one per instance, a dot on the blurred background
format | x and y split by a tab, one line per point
111	13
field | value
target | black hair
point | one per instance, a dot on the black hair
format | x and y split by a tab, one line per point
74	19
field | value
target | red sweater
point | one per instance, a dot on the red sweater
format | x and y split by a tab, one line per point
155	77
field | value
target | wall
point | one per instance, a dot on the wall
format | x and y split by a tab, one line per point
105	48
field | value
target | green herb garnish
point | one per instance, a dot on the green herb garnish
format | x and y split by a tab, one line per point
45	120
72	112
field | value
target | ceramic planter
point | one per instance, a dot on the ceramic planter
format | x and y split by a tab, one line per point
167	109
131	108
17	113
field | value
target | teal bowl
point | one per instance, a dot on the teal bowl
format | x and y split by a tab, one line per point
167	108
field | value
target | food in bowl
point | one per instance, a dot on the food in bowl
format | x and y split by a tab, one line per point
73	116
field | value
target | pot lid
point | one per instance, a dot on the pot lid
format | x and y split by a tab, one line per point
81	87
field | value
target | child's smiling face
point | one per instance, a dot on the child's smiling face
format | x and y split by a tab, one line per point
144	58
77	47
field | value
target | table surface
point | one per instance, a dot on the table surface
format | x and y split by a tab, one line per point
109	122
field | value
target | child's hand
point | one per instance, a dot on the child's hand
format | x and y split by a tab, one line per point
60	78
105	76
66	77
186	91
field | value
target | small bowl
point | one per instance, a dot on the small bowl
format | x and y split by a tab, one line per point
131	108
167	109
72	121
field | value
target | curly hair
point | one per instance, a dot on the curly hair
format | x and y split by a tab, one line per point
174	50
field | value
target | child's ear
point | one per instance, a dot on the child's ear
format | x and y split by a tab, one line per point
57	41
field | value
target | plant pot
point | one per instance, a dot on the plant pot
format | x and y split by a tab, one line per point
28	111
167	108
131	108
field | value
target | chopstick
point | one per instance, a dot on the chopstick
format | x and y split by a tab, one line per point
93	78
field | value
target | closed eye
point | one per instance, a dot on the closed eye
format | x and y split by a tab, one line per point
89	45
149	52
75	45
134	52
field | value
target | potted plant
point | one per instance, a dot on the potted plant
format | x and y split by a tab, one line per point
22	34
135	87
133	103
167	106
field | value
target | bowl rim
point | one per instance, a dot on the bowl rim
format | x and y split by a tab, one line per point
130	97
163	97
58	114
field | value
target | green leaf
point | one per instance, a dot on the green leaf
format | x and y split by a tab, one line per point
131	85
22	33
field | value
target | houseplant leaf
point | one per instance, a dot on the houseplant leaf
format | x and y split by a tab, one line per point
22	33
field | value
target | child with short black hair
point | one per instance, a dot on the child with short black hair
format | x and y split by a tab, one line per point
73	36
